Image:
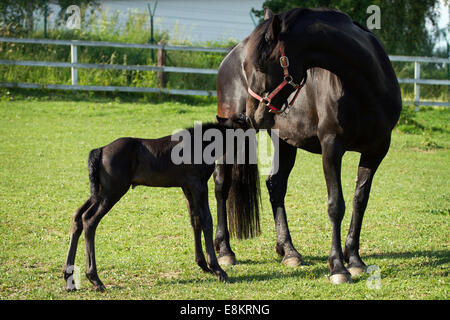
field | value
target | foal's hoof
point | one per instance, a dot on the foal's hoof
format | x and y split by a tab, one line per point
227	260
356	271
100	288
340	278
223	277
71	288
70	284
292	261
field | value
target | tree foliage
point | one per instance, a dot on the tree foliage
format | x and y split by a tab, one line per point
403	22
18	16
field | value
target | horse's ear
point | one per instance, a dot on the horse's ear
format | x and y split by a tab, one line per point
268	14
274	29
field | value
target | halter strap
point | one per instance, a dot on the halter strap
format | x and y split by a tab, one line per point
284	62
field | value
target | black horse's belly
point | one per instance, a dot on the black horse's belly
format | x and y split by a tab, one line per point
311	144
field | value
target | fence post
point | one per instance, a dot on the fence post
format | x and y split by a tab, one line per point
416	85
74	59
161	63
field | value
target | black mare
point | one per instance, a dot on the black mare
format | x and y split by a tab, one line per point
351	101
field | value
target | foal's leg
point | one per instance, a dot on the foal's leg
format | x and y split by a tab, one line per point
276	185
368	165
75	231
332	152
196	226
201	211
91	220
222	180
207	226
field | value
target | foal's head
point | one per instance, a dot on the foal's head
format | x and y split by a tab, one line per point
237	121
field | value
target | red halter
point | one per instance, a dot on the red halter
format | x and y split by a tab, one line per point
284	61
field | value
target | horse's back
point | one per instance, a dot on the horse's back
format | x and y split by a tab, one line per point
156	167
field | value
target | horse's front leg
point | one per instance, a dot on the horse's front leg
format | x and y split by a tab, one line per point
276	185
332	152
201	218
207	226
222	181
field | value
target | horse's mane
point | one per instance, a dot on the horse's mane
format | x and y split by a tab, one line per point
291	17
350	46
362	27
289	20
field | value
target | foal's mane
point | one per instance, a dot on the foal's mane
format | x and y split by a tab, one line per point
209	125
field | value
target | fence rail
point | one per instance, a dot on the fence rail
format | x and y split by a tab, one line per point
74	66
113	44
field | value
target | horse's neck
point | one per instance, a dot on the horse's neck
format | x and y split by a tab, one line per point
351	53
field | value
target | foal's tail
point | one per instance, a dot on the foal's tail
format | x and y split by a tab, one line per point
94	162
243	201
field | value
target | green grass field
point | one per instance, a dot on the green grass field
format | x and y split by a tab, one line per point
145	244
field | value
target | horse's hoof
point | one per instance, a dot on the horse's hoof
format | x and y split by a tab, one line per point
100	288
70	286
356	271
71	289
227	260
292	262
340	278
223	277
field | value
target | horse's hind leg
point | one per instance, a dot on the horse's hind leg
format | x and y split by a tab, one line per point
91	220
196	226
368	165
75	231
332	152
222	182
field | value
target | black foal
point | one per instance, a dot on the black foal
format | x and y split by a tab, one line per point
130	162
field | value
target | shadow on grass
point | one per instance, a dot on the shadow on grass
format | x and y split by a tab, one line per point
426	263
308	271
316	267
443	256
440	256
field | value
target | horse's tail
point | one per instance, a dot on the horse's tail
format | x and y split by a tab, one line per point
243	201
94	162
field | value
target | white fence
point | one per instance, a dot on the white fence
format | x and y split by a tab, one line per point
74	65
417	81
